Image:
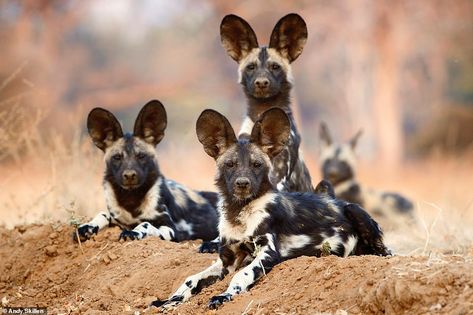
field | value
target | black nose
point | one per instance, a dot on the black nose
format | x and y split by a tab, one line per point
242	182
129	176
262	83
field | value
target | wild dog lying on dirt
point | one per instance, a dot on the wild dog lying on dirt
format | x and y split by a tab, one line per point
137	194
338	162
266	77
259	226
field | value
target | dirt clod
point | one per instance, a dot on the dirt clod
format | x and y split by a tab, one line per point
51	250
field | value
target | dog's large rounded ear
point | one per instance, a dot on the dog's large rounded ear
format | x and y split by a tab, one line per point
103	127
354	141
289	36
325	134
237	36
151	122
324	187
272	131
214	132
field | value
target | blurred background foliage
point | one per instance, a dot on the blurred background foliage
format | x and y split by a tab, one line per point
400	70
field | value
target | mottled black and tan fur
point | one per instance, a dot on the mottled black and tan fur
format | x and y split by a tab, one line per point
260	226
139	198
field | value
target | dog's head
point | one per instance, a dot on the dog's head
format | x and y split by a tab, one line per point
338	161
264	72
131	160
243	166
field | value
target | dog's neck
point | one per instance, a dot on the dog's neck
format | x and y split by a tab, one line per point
132	199
232	207
257	106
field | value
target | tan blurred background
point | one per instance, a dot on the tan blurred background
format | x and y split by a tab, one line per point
400	70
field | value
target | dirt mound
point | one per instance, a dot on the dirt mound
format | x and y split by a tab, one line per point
41	266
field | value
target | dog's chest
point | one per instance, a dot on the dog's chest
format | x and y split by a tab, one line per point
249	219
148	209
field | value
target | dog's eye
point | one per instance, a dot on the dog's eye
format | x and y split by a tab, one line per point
117	157
257	164
141	156
251	66
229	164
275	66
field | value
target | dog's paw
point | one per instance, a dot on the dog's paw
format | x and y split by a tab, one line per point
85	232
129	235
158	303
209	247
167	304
218	300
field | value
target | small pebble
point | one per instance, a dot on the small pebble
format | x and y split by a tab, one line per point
51	250
53	235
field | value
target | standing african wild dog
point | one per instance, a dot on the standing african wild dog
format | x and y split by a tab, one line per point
266	77
338	162
137	194
260	226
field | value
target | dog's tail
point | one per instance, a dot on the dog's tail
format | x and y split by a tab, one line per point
370	236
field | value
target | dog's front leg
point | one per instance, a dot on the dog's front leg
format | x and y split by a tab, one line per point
161	226
194	284
86	230
147	229
266	257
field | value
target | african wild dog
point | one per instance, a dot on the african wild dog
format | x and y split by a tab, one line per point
338	162
137	194
266	77
260	226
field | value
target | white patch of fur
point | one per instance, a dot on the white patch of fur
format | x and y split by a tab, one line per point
250	217
166	232
179	196
114	148
183	225
147	208
101	220
350	245
301	156
274	56
148	229
290	242
334	241
344	186
330	202
348	155
280	185
246	126
182	194
252	57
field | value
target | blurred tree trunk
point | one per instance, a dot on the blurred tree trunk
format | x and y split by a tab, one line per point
386	102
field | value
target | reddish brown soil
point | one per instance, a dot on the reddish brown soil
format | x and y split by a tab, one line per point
41	266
